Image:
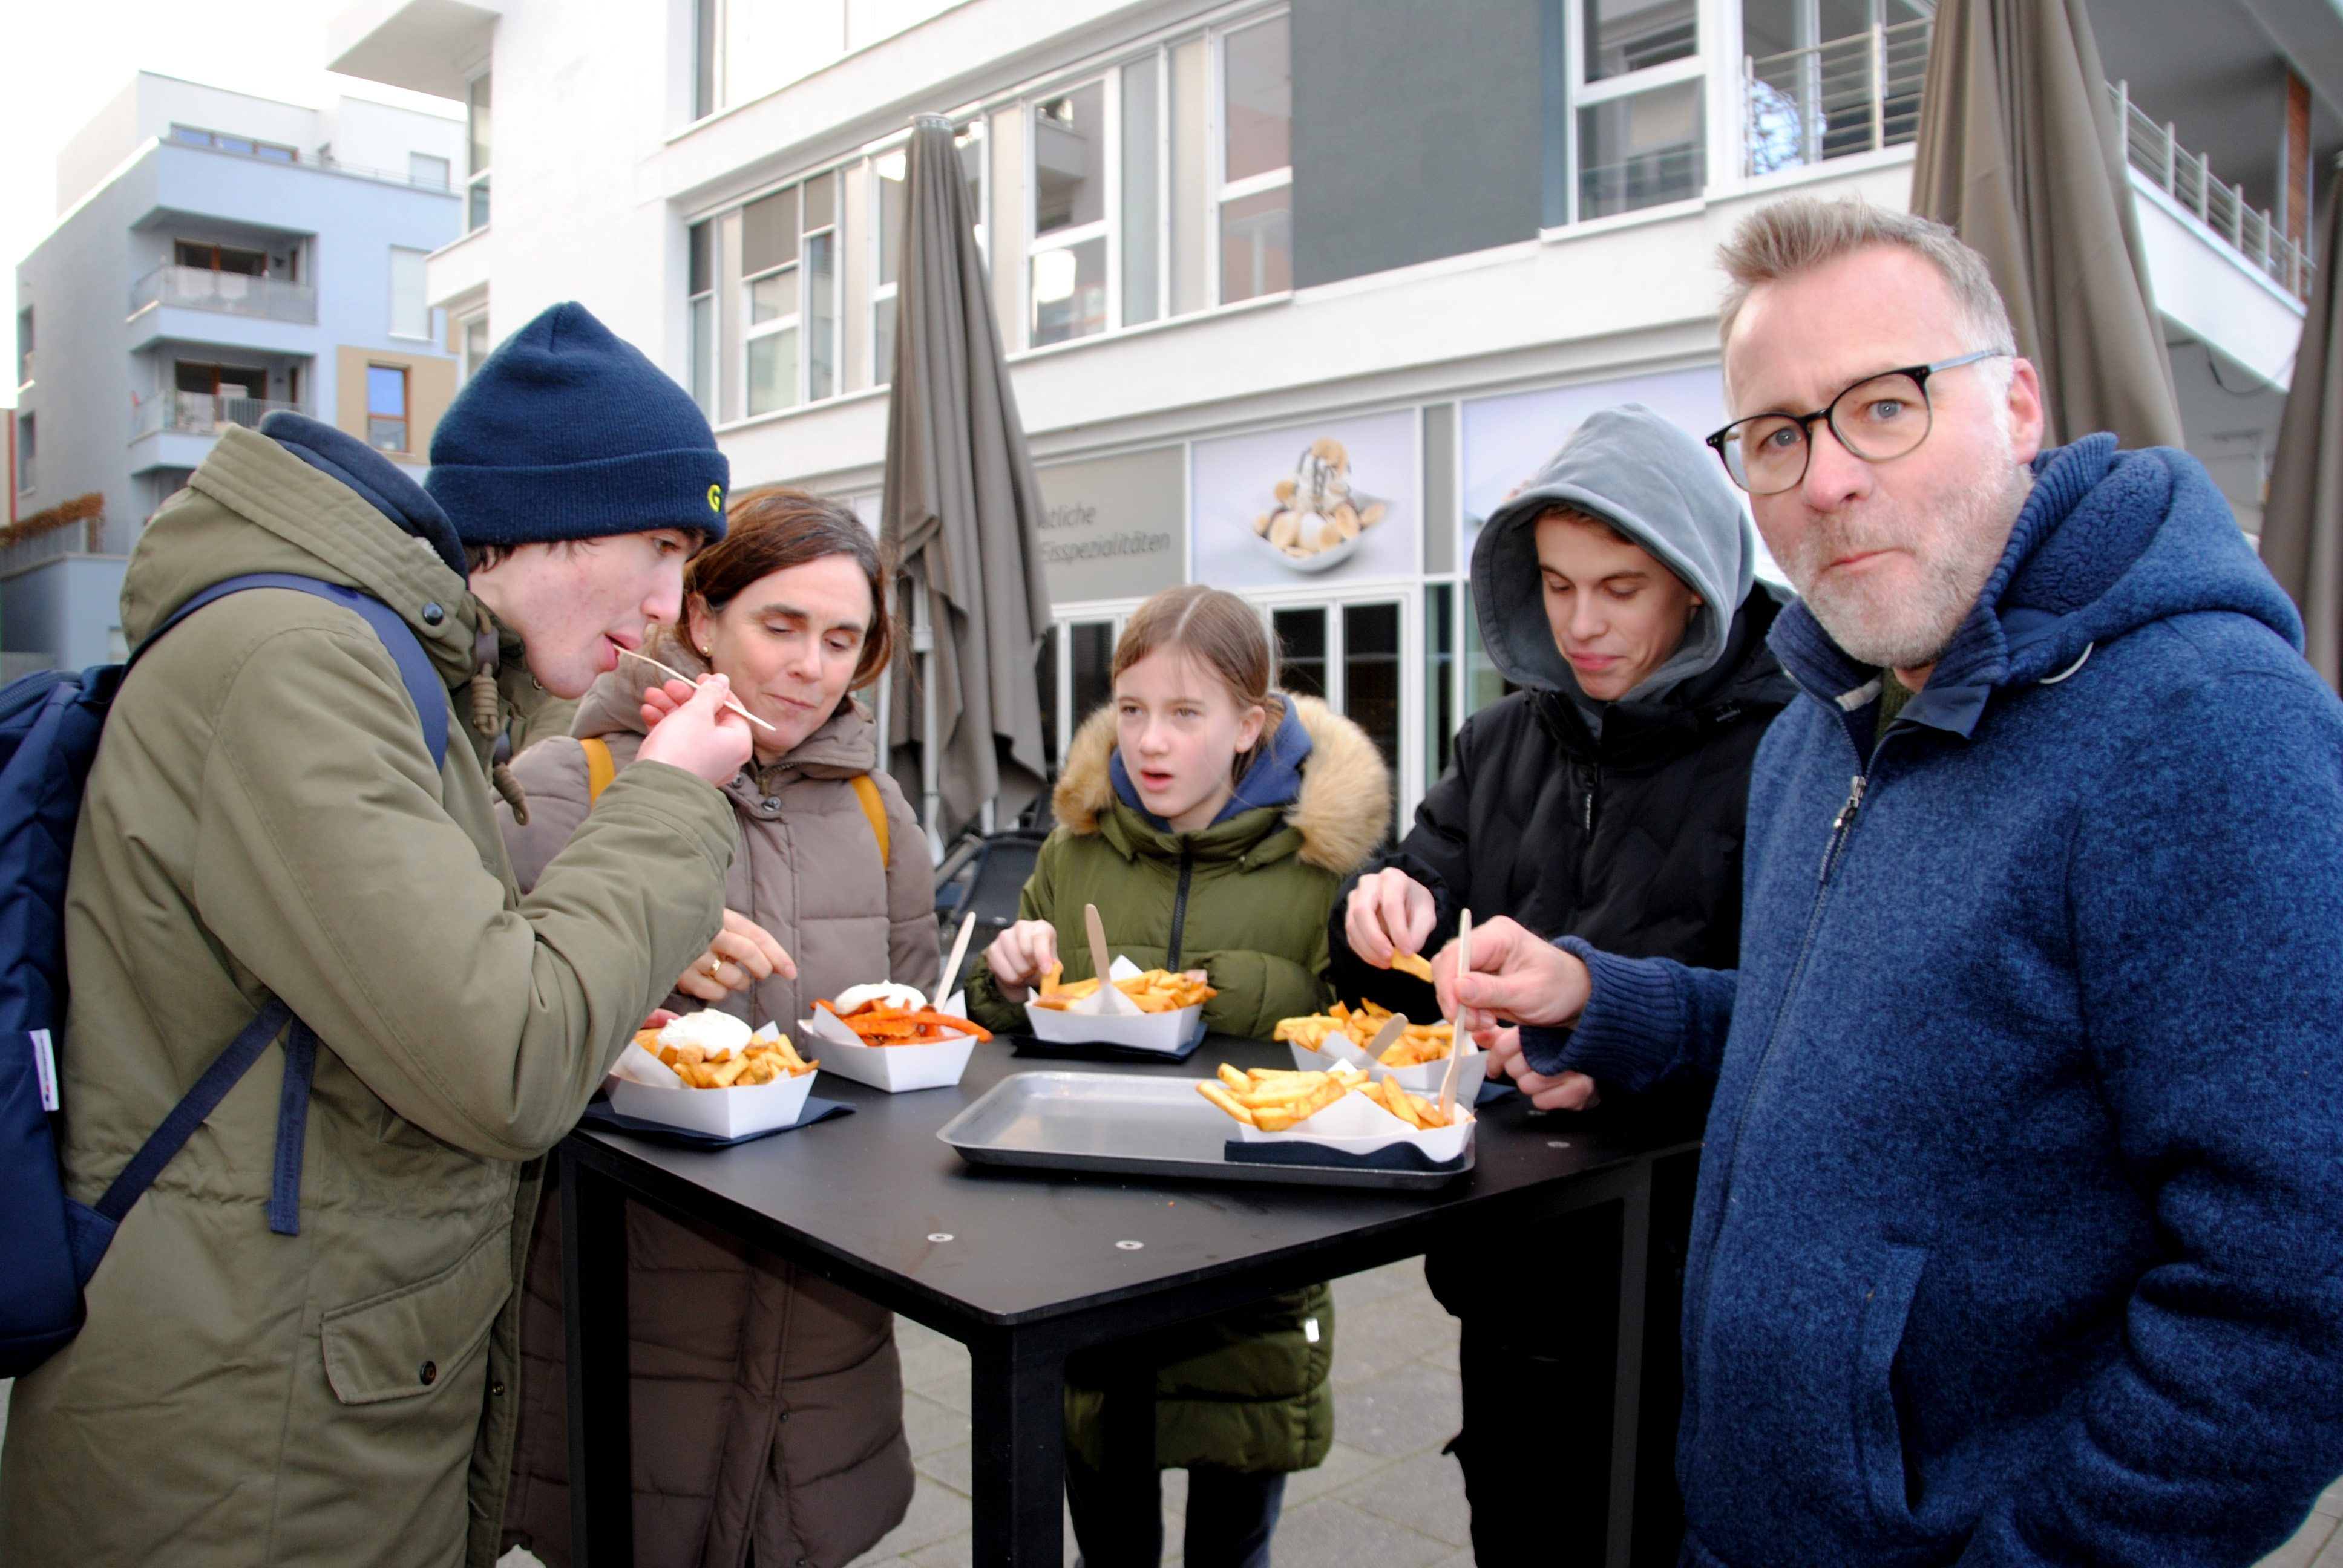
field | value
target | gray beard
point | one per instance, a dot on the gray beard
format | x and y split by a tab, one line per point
1957	551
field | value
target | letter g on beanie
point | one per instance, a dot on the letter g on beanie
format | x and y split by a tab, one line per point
567	432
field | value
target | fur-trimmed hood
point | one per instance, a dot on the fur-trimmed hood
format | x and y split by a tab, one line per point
1341	813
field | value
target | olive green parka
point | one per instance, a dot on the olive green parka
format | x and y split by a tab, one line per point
263	818
1247	1390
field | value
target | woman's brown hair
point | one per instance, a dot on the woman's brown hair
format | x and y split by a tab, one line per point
772	530
1221	633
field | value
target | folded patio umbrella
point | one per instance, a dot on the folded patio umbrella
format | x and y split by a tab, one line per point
2020	153
2302	522
961	516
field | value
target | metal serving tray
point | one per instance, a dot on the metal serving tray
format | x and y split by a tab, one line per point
1130	1125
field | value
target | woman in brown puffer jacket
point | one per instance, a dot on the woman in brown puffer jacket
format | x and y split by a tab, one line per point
768	1402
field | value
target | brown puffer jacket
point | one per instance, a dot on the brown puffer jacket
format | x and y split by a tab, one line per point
768	1402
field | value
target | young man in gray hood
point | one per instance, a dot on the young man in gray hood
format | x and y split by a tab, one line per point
1607	796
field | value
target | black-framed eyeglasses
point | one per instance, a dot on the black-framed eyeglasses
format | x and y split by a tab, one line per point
1879	419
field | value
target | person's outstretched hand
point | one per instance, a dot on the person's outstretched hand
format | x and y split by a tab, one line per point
1389	911
1022	955
1516	977
692	729
739	955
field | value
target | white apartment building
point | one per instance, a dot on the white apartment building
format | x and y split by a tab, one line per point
1222	234
216	256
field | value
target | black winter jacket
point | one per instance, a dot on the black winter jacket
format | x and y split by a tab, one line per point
1632	842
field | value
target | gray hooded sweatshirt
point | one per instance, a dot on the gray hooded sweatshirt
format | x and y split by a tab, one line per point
1659	487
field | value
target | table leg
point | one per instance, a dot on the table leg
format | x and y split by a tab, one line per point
1020	1461
594	1308
1627	1397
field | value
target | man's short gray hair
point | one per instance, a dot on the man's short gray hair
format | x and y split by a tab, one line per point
1798	234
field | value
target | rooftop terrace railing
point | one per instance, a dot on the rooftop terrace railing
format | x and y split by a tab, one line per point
236	293
2188	179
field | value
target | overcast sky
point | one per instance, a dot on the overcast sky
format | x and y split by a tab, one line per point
64	61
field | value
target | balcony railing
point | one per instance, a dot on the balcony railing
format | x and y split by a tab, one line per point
1851	94
200	413
236	293
1861	93
2188	179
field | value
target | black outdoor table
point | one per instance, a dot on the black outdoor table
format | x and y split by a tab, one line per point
1026	1266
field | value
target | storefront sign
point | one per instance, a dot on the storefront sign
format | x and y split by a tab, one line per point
1113	528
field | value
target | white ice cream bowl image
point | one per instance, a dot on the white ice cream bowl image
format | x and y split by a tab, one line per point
895	1068
646	1089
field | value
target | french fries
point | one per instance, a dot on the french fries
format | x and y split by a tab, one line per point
877	1022
1421	1043
763	1061
1157	991
1414	964
1273	1100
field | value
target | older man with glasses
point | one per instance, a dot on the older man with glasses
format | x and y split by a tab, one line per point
2019	1234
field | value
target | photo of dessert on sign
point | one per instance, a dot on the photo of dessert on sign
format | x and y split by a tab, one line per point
1317	519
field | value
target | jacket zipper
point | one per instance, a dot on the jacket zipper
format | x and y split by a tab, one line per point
1180	905
1594	786
1841	825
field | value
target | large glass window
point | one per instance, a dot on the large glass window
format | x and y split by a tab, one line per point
1623	35
1143	190
706	29
1300	650
411	308
480	119
1256	200
1640	151
23	345
819	205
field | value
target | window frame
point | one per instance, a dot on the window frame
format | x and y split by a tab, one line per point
404	419
477	212
1107	225
1220	189
1710	31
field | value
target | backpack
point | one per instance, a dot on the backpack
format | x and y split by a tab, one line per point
50	724
601	767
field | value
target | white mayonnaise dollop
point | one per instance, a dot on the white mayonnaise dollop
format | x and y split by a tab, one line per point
716	1033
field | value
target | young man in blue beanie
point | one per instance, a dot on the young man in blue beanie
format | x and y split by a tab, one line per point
300	1348
2019	1229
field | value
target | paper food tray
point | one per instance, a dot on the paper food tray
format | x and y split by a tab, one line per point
719	1112
1164	1031
1357	1125
893	1068
1423	1078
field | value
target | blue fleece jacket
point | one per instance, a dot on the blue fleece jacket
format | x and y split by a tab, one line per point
2019	1234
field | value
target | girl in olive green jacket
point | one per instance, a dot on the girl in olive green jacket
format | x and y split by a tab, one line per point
1210	819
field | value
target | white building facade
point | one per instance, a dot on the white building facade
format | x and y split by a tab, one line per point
1220	235
217	258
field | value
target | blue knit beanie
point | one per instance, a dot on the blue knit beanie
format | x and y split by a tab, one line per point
567	432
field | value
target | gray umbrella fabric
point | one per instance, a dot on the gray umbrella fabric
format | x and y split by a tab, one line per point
961	516
2302	522
2019	152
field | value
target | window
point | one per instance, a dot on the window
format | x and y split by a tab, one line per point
223	141
24	453
1829	77
1069	258
423	169
1633	131
220	258
701	298
410	310
24	347
386	408
1256	198
705	31
819	206
768	263
476	344
481	124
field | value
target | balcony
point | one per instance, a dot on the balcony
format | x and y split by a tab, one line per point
234	293
1862	93
200	414
1852	95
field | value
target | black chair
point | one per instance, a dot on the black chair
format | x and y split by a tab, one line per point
988	883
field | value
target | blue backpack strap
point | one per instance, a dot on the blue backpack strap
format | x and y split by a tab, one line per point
292	1130
422	680
94	1228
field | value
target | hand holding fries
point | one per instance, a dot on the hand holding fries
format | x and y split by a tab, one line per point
1021	955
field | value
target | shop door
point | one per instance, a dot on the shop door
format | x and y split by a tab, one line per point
1349	655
